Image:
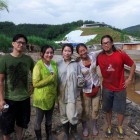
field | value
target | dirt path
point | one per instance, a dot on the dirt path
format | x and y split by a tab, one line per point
58	130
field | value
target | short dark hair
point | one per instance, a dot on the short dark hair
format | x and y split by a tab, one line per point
111	39
17	36
67	45
79	45
44	48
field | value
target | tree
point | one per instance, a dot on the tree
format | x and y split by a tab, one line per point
3	5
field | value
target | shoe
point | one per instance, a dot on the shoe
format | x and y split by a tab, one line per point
108	133
38	134
120	132
95	129
49	134
95	134
85	132
74	132
66	131
85	129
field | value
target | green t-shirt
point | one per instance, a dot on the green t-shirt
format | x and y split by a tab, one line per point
16	71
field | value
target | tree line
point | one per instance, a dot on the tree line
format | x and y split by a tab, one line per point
133	30
46	31
38	34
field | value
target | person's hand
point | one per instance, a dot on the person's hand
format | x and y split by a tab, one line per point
53	76
2	103
128	81
120	50
56	105
31	89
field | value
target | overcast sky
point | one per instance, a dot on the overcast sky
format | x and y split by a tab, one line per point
117	13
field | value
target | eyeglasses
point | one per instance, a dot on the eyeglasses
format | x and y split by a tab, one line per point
106	43
20	42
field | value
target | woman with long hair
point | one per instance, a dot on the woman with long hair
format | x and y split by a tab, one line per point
45	90
91	89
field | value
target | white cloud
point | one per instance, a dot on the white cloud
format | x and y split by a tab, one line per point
117	13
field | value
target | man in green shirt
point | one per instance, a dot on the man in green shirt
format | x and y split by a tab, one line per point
14	71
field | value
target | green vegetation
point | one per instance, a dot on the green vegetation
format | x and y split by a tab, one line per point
38	34
3	5
134	30
41	34
5	43
50	32
40	42
117	35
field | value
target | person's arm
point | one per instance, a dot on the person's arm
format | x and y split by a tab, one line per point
2	102
80	78
37	81
131	74
97	52
31	88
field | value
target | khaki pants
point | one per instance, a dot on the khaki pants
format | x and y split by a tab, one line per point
70	112
90	107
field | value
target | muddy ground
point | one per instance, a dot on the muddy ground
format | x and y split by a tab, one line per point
132	116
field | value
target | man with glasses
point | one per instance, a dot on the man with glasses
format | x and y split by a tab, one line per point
111	63
14	72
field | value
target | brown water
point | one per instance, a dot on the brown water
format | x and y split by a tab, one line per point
133	91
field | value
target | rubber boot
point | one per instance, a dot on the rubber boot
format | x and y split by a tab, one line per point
38	134
66	131
74	132
95	129
85	129
49	134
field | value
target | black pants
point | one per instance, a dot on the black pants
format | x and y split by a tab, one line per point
40	115
18	113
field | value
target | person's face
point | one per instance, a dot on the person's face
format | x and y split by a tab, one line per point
19	45
67	53
48	55
107	45
82	51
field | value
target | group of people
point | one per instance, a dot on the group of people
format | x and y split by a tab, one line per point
73	84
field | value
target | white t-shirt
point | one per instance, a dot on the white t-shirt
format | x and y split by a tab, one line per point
49	67
90	75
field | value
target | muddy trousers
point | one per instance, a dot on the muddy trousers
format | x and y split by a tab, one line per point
48	122
49	135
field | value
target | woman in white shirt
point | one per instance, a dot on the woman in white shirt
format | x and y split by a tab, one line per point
90	101
69	94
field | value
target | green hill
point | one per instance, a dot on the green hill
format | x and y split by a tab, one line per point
133	30
57	32
40	34
117	35
45	31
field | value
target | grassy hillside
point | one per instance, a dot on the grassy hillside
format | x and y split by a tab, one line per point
118	36
40	34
